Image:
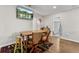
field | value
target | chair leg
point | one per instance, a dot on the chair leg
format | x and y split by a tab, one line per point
18	45
21	47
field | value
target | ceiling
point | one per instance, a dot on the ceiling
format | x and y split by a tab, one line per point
48	9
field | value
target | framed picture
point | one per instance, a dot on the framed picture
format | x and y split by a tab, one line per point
24	13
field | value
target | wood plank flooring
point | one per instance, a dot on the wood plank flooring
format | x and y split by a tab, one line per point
63	46
67	46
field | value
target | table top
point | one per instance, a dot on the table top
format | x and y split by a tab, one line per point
25	33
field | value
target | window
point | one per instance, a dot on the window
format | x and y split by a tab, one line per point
57	27
24	13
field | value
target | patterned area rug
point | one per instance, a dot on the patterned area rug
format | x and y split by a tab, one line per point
10	48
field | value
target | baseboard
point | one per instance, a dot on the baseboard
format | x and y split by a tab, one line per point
69	39
6	44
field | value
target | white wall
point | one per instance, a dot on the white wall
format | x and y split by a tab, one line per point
36	23
9	25
70	23
47	21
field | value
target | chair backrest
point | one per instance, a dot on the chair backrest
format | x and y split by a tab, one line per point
48	35
36	37
45	37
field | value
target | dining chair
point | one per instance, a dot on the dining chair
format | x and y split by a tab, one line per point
18	45
45	36
36	37
44	42
41	42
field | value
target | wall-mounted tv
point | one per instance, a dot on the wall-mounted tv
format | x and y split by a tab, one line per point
24	13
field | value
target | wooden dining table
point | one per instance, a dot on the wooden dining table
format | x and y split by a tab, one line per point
27	33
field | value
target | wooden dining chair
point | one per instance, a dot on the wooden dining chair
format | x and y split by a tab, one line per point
44	42
40	42
45	36
18	45
36	37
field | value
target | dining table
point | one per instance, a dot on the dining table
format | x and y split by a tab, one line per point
26	34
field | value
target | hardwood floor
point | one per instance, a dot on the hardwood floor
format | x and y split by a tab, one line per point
55	47
63	46
67	46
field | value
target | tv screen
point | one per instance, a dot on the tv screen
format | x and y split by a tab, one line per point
24	13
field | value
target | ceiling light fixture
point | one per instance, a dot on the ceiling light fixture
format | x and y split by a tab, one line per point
54	7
